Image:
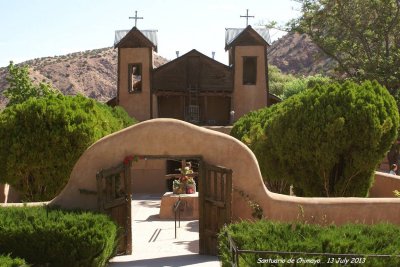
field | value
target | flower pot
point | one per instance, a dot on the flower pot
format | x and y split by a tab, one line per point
190	188
181	189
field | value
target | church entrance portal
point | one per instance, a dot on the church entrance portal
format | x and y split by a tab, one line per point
215	198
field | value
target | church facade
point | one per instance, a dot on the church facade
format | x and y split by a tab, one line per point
193	87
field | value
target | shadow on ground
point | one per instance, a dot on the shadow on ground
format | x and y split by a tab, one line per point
192	246
192	226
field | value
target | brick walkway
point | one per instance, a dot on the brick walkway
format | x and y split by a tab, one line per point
154	242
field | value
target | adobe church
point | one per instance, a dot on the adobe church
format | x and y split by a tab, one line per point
193	87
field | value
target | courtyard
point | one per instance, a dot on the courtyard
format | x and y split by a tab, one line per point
153	239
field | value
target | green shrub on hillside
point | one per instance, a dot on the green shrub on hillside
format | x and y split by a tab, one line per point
57	238
299	85
278	80
286	85
326	141
300	237
42	138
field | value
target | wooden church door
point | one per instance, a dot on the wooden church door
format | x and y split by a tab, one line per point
215	196
115	198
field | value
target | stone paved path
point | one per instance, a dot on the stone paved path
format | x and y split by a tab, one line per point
154	242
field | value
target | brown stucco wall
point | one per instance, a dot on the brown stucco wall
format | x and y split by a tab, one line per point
222	129
157	137
137	104
249	97
384	185
155	107
148	176
173	137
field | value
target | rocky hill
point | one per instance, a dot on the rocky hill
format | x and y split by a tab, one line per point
295	53
92	73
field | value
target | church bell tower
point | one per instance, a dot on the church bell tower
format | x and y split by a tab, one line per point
248	57
135	64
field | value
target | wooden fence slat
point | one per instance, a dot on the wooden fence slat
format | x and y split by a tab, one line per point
215	184
114	203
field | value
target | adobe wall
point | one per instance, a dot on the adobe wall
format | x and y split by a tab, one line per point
155	107
148	176
384	185
247	98
221	129
173	137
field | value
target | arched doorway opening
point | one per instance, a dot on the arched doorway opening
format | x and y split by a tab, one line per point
215	197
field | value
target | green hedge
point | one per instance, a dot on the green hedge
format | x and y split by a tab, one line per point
300	237
8	261
57	238
325	141
43	138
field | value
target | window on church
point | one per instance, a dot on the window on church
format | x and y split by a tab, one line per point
249	70
135	78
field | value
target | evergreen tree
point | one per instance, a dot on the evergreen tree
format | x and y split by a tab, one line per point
326	141
43	134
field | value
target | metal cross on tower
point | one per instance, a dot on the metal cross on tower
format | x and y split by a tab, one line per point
135	18
247	17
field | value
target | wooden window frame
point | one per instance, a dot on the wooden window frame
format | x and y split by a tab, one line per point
137	87
249	78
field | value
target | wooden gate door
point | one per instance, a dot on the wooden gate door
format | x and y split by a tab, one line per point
215	196
114	199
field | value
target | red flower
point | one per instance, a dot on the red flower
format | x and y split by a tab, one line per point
190	191
128	159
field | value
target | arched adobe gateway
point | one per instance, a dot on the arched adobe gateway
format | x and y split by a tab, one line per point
169	137
161	137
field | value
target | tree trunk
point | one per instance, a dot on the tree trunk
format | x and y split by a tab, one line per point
336	175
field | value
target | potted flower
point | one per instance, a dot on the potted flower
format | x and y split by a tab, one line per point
185	183
190	186
178	187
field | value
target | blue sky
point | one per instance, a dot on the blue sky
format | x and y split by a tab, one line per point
39	28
